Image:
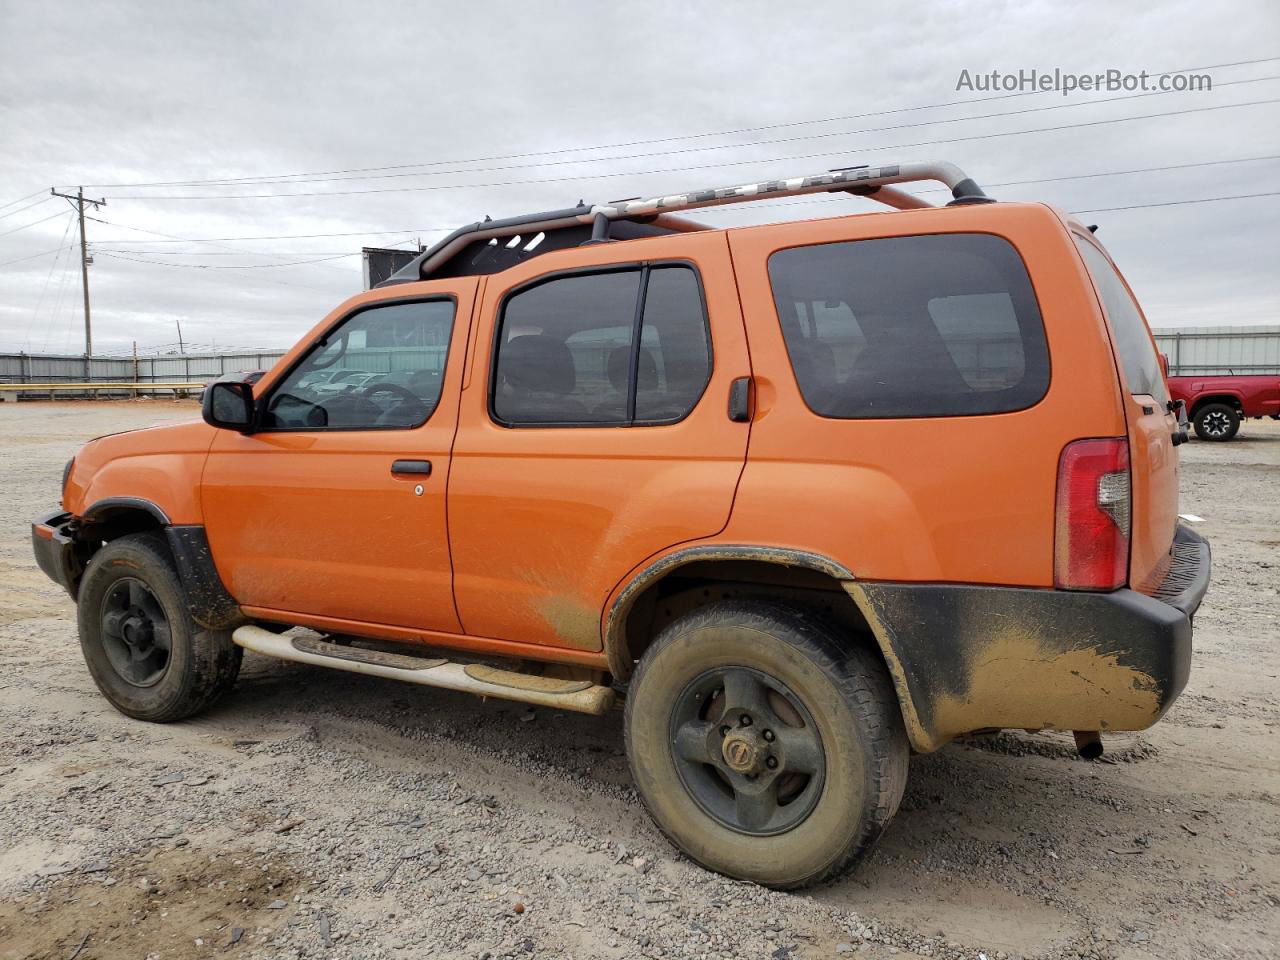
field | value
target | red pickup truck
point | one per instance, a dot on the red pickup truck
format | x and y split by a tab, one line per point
1216	405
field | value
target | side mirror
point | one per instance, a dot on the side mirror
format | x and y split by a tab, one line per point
228	405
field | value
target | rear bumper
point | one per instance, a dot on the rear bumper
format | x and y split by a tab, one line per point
56	551
968	658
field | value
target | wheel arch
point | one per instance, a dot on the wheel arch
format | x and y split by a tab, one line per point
117	516
1231	399
211	604
687	578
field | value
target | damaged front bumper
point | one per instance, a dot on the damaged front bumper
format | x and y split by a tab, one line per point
968	658
56	550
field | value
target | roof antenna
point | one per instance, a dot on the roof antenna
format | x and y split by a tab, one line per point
1093	228
488	219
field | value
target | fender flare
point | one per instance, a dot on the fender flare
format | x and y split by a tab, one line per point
209	601
615	641
108	504
620	665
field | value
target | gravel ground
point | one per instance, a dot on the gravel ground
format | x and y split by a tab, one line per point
321	814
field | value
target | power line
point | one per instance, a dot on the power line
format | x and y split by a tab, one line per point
42	254
712	166
649	141
219	266
424	230
13	213
100	248
169	236
34	223
1178	203
10	203
290	236
35	314
1136	206
736	146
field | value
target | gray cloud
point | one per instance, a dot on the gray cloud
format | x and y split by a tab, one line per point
123	92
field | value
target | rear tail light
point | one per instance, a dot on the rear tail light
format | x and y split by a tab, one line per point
1091	535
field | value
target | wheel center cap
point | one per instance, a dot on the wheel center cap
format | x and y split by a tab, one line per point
136	632
743	751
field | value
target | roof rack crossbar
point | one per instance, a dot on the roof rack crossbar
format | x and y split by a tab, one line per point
864	179
872	182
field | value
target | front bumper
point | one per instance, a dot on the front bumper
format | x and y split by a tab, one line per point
974	657
56	550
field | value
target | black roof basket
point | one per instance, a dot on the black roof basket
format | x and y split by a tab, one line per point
630	219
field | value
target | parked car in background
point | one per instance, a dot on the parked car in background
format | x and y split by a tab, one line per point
1217	405
351	380
239	376
806	492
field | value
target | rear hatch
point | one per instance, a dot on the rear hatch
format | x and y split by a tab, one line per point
1151	424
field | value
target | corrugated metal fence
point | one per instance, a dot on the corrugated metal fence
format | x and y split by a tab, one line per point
196	368
1204	351
1191	350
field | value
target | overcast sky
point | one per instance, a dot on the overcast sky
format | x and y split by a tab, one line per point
117	93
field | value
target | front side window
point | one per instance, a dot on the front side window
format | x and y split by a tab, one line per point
619	348
381	368
1137	354
928	326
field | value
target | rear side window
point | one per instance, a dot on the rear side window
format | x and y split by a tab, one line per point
626	347
930	326
1137	353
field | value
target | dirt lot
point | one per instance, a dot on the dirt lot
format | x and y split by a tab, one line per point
317	813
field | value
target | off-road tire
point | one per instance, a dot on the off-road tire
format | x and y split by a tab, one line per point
202	664
851	700
1217	421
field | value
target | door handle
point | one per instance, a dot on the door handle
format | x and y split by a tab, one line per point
414	468
740	400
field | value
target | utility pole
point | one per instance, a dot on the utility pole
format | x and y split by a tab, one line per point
79	202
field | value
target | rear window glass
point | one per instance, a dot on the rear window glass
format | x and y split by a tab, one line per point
582	350
935	326
1137	354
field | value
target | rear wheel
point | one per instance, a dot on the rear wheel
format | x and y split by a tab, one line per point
1217	421
143	650
763	747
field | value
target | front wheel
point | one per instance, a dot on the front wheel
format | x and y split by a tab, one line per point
143	650
1217	421
765	748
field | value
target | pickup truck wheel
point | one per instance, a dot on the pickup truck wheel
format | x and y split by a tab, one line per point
765	748
1217	421
145	653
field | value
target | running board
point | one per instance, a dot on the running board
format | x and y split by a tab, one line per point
580	696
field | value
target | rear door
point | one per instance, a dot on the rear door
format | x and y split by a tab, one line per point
594	431
1152	459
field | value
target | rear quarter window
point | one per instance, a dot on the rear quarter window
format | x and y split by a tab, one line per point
928	326
1137	354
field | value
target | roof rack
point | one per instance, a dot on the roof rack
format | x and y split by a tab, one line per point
875	183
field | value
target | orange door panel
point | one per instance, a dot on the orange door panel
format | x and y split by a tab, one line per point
315	521
545	520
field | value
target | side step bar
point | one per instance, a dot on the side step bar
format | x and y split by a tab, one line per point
580	696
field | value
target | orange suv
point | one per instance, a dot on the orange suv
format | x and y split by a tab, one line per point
810	495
